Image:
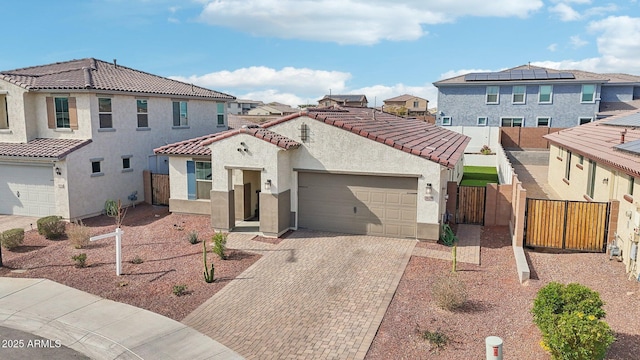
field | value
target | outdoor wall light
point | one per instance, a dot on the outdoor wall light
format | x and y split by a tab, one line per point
267	184
605	180
428	192
58	171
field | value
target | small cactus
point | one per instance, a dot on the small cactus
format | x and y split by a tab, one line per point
208	273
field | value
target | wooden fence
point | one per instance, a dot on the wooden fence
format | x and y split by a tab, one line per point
160	189
570	225
470	205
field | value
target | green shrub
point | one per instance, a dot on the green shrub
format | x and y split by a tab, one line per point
12	238
78	234
568	317
449	292
52	227
208	272
220	245
80	259
193	237
437	339
179	290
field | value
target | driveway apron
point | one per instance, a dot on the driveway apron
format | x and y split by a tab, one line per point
314	296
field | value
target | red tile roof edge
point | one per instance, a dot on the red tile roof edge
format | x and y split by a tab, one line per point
259	133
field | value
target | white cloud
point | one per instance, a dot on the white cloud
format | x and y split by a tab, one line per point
577	42
352	21
553	47
565	12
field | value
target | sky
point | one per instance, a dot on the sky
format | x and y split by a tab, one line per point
297	51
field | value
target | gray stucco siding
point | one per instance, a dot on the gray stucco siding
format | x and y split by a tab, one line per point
464	104
616	93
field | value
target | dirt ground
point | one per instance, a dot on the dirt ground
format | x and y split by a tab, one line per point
498	305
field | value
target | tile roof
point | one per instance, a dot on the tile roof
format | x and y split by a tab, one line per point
348	98
260	133
92	74
54	149
404	97
413	136
580	76
191	147
598	141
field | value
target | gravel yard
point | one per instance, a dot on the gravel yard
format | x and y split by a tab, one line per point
498	305
152	234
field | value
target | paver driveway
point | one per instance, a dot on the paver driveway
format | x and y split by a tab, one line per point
315	295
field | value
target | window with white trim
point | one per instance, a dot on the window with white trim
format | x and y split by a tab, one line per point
180	116
585	120
482	121
493	92
220	114
518	96
104	113
446	120
416	104
126	163
143	113
543	121
512	122
203	179
588	94
96	167
545	94
62	112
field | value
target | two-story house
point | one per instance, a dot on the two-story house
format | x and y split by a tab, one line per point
406	105
343	100
531	96
598	162
75	134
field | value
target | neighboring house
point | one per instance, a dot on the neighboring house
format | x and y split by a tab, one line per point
242	106
273	109
351	170
600	161
343	100
406	104
531	96
75	134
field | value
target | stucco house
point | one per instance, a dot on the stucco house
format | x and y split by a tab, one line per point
74	134
272	109
351	170
406	104
242	106
600	161
532	96
344	100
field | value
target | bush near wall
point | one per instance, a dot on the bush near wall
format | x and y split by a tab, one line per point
52	227
12	238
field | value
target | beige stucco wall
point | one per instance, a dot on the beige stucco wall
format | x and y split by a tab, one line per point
333	149
17	131
615	188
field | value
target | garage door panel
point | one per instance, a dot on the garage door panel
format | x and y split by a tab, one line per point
34	184
385	206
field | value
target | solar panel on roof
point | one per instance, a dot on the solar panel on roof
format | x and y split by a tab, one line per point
525	74
505	76
631	146
470	77
482	77
516	75
493	76
553	75
567	75
528	76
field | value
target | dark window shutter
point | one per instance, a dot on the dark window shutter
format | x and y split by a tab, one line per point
176	113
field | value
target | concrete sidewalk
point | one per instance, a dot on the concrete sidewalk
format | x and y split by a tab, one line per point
99	328
16	221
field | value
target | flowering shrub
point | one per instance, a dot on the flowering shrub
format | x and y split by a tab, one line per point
568	317
486	150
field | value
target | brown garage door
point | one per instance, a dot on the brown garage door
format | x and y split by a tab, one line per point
357	204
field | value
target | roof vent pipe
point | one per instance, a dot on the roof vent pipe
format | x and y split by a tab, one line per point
115	63
622	134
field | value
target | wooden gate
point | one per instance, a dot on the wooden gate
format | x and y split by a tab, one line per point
159	189
470	205
570	225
